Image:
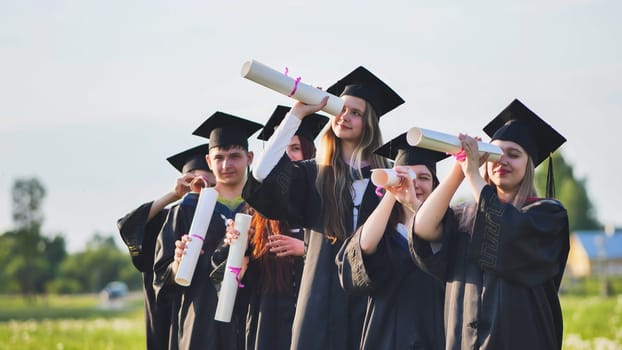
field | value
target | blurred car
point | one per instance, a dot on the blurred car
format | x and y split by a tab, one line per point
114	290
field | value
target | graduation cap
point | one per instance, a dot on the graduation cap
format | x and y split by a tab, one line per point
223	130
402	153
190	159
362	83
519	124
309	128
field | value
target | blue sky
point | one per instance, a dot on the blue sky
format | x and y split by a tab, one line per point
94	95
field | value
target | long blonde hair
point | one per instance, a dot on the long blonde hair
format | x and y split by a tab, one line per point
335	177
526	189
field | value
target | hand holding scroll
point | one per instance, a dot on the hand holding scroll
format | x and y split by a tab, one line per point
180	250
404	191
441	142
301	110
198	229
474	158
280	82
233	270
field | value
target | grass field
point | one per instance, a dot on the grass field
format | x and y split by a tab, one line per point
71	322
80	322
592	322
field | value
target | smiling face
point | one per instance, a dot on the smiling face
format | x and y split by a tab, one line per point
229	165
508	172
348	125
424	183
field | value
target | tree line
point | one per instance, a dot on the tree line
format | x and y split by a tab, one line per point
34	263
37	264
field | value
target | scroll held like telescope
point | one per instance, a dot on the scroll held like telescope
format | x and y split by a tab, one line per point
388	177
198	229
233	268
291	87
441	142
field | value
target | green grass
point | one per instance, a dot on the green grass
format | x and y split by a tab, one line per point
71	322
79	322
63	306
592	322
97	333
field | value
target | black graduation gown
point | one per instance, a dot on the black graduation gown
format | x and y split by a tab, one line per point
140	237
405	305
197	328
502	281
326	317
270	315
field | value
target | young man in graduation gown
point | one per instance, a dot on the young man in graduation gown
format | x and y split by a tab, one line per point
139	230
275	253
329	197
229	159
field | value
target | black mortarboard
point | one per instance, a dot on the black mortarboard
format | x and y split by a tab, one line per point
362	83
191	159
402	153
519	124
309	128
223	130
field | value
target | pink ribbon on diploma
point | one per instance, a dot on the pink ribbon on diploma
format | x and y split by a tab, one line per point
379	191
295	84
236	271
460	156
194	235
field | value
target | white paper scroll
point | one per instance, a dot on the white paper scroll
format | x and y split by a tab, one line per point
231	280
288	86
441	142
198	229
388	177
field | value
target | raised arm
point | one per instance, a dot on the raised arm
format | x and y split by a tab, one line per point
182	186
429	216
375	225
277	144
470	166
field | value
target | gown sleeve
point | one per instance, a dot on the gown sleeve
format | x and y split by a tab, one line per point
361	273
269	197
435	263
279	189
176	224
288	193
276	146
528	246
139	235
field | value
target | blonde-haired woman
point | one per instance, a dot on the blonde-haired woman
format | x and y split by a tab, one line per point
329	197
502	257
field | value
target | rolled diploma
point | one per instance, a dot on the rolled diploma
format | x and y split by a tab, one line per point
388	177
441	142
198	229
279	82
229	286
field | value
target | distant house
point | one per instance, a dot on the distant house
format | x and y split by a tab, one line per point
594	253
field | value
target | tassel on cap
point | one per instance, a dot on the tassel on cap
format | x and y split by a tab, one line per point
550	179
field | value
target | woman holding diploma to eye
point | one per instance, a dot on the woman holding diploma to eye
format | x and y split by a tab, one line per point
329	197
503	256
405	304
229	159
